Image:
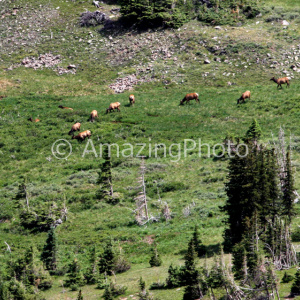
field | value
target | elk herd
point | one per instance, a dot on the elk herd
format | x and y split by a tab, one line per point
116	106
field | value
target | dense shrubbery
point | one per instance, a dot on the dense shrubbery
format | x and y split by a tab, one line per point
174	14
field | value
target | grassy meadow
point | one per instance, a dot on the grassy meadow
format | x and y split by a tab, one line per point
196	180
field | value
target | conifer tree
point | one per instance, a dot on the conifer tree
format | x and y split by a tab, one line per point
91	274
107	295
190	272
75	277
49	252
295	290
79	297
254	132
22	194
199	247
105	178
155	260
286	278
106	262
288	190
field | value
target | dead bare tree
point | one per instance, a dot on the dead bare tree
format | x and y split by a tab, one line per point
142	214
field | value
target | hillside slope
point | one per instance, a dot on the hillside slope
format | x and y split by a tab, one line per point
161	66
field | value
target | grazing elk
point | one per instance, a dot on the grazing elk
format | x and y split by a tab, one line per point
243	97
34	120
113	106
64	107
82	135
131	99
75	127
235	12
189	97
280	81
94	114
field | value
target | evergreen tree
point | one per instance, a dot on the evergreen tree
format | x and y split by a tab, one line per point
49	252
286	278
105	178
79	297
106	262
199	247
295	290
21	197
242	195
288	190
190	274
75	277
174	277
91	273
157	13
142	284
254	132
107	295
155	260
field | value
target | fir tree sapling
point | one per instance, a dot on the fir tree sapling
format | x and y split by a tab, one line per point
49	252
155	260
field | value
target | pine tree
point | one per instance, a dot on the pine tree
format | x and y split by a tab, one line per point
22	194
142	284
91	273
286	278
254	132
295	290
242	195
190	273
288	190
155	260
107	295
105	178
49	252
174	277
75	277
79	297
199	247
107	260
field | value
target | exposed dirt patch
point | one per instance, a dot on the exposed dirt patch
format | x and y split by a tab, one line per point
4	84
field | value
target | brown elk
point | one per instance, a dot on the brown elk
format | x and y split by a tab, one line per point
280	81
235	12
75	127
243	97
82	135
94	114
64	107
34	120
113	106
131	99
189	97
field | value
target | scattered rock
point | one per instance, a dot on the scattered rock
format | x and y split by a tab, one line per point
89	18
285	23
218	27
207	61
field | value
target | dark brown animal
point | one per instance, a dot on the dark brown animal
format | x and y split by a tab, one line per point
243	97
64	107
113	106
280	81
34	120
94	114
131	99
189	97
82	135
75	127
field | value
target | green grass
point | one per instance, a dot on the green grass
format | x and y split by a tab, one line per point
25	147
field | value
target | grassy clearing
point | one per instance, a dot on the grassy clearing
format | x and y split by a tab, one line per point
25	148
